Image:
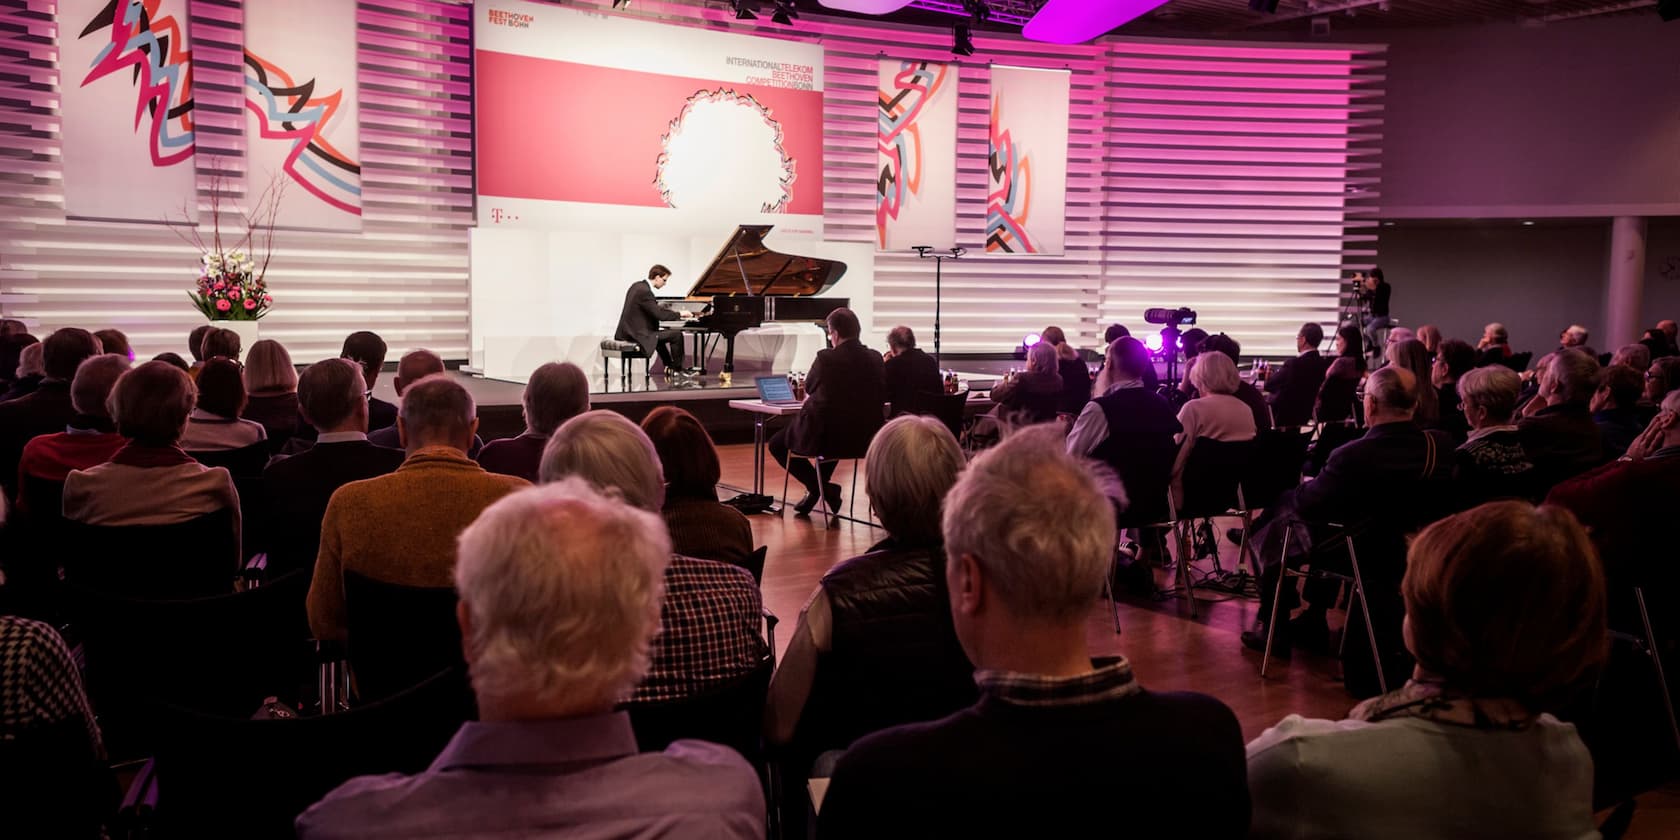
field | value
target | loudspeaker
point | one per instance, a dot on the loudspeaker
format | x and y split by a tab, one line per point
1264	6
1669	9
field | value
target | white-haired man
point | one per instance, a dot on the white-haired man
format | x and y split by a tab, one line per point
1028	537
1557	428
560	592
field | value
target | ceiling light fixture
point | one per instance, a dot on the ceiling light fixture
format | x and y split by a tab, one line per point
621	4
785	13
961	42
743	10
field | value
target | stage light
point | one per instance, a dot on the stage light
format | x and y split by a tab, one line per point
1029	339
1153	341
785	13
621	4
743	10
961	43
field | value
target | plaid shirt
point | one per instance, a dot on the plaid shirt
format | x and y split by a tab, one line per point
1110	682
39	682
708	630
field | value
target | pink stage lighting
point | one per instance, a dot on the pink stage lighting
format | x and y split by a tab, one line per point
1078	21
1153	342
866	7
1029	339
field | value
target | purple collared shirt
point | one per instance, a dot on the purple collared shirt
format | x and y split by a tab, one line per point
579	778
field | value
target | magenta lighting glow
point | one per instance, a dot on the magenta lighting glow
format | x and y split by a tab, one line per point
866	7
1078	21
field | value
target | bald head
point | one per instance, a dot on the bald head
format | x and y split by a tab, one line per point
1391	395
415	366
437	411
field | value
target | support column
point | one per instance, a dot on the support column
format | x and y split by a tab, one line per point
1625	289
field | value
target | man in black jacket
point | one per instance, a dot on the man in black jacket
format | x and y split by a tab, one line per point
909	372
47	410
844	393
1557	427
330	395
642	315
1294	387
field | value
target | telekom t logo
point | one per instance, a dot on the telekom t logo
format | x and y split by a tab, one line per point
498	215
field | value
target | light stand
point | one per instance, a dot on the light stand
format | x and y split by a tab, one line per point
928	252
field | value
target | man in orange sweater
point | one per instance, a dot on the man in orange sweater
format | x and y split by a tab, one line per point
401	528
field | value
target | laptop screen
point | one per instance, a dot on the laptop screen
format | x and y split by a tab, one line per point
774	389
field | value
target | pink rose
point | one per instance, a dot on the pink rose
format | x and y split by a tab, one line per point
250	304
233	294
223	306
268	298
219	286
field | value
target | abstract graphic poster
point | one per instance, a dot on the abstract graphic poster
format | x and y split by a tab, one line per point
916	140
1026	188
301	110
126	78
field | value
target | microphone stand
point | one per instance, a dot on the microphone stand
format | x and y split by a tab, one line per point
927	252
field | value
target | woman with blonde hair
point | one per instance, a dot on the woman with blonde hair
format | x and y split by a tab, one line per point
271	384
1216	415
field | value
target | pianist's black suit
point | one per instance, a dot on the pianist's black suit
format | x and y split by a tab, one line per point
639	322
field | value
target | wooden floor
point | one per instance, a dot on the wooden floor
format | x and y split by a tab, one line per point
1167	649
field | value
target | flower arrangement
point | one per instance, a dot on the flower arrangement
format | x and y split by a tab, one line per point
230	285
229	288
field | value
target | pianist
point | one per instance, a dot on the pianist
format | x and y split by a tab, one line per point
641	318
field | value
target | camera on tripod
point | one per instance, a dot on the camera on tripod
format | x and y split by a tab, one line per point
1183	316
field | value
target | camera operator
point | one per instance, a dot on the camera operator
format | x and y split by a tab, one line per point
1376	295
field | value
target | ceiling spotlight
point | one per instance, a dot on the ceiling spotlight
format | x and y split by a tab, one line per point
961	43
621	4
785	13
978	10
743	10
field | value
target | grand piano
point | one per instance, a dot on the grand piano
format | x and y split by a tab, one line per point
747	285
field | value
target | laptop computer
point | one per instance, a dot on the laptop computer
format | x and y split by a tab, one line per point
775	390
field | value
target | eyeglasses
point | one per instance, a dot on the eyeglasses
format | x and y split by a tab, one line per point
368	395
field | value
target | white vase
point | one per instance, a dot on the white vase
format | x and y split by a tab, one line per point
248	333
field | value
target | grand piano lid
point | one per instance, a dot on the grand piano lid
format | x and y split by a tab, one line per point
744	266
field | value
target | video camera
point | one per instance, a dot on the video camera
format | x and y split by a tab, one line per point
1183	316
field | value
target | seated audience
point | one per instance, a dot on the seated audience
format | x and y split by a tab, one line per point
1660	341
368	350
89	439
331	396
48	409
1340	392
560	595
1294	385
1028	541
1662	377
842	410
12	341
555	393
1130	428
1492	464
414	366
700	526
1574	337
1431	337
1076	377
21	365
436	493
221	343
709	622
150	480
874	646
1409	354
51	753
1393	339
195	346
115	341
1615	408
1215	415
1453	359
909	371
1557	428
173	359
1628	505
215	424
1246	391
1636	356
1114	333
1468	747
1034	395
1494	348
271	388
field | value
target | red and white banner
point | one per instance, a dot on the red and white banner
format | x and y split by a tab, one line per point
595	122
916	141
1026	188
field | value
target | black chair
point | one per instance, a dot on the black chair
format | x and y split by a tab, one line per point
247	461
195	558
398	635
246	465
1519	361
1212	484
849	451
626	352
731	714
32	546
1335	557
56	786
947	408
755	563
227	776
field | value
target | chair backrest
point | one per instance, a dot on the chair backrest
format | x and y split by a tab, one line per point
1212	475
1519	361
398	635
1145	471
1276	467
948	408
246	461
194	558
46	498
755	563
731	714
236	777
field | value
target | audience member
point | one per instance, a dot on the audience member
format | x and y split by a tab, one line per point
1395	337
28	369
1493	660
195	345
708	625
1215	415
560	591
1028	541
51	752
368	350
1575	337
1294	386
843	395
1660	379
1034	395
113	341
1494	348
1076	377
414	366
1338	396
1410	354
215	425
875	646
436	494
1492	464
12	326
271	389
1246	391
1671	331
150	480
1453	359
1615	408
331	396
1130	428
90	438
555	393
1557	428
1431	337
48	409
909	371
221	344
1114	333
1636	356
700	526
173	359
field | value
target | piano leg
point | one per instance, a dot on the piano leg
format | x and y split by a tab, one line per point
699	356
729	353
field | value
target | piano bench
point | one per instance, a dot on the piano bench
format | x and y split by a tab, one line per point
626	352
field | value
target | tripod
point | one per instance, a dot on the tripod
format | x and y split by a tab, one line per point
927	252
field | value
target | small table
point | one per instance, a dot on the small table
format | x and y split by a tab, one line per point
757	501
